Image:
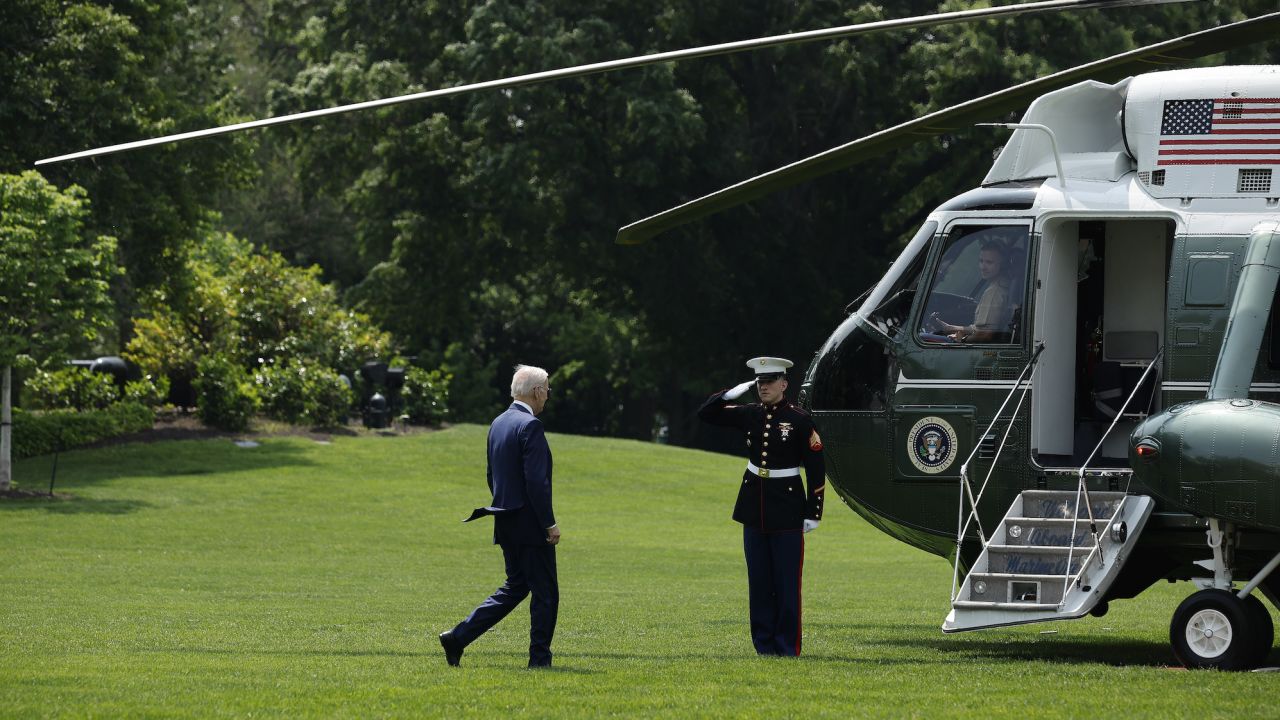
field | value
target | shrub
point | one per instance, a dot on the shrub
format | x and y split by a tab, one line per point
253	309
70	388
426	395
329	400
56	430
151	391
303	393
251	306
226	397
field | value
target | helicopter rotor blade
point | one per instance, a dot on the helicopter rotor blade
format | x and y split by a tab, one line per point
626	63
1170	52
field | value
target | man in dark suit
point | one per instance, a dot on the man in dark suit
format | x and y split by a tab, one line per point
519	475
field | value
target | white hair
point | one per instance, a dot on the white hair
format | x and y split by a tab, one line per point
527	378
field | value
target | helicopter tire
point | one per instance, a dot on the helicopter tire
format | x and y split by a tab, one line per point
1100	609
1213	629
1263	632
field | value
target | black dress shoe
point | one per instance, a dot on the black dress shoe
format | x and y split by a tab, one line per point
452	648
543	664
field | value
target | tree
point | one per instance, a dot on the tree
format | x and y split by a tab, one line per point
53	281
85	73
483	224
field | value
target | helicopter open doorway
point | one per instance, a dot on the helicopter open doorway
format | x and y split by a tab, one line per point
1101	315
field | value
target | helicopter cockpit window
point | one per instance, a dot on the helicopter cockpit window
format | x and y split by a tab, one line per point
888	305
977	290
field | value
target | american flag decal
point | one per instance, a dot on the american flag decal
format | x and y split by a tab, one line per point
1225	131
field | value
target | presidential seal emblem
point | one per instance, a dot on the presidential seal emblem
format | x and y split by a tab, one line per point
932	445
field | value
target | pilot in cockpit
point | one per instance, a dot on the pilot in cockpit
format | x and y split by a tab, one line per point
993	313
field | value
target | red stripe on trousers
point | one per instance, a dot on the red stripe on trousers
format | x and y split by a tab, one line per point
800	596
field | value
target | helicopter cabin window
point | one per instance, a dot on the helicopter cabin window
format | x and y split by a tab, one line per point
977	290
888	305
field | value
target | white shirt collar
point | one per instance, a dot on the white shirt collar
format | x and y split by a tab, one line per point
524	405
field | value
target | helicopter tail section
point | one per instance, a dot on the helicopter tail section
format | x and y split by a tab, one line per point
1048	561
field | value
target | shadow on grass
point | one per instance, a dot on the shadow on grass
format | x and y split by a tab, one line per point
967	647
78	468
287	653
62	504
1092	651
517	659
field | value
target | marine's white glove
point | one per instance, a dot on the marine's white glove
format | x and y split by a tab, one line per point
736	392
810	525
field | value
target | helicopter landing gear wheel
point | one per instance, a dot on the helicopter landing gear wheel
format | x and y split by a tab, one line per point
1213	629
1262	631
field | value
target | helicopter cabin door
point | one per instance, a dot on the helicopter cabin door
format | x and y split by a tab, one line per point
1101	314
964	353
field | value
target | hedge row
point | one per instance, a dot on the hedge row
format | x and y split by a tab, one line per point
57	430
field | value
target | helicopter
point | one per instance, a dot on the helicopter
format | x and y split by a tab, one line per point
1136	226
1061	383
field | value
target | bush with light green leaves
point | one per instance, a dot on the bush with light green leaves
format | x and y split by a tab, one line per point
426	396
303	393
69	388
226	397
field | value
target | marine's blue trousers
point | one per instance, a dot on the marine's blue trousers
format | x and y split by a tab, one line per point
775	562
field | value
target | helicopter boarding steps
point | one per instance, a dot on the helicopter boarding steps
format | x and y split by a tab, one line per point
1040	549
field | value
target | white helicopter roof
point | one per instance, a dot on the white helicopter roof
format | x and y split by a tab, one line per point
1198	133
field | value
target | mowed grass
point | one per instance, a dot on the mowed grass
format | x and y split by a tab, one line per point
301	579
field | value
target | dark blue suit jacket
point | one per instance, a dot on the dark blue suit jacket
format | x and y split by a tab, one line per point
519	475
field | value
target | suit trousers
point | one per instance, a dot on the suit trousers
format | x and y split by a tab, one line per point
531	570
775	562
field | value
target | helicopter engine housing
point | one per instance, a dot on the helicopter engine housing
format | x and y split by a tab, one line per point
1214	458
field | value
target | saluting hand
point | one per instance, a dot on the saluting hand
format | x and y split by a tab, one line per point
736	392
553	535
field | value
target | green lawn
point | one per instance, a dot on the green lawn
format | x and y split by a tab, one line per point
303	579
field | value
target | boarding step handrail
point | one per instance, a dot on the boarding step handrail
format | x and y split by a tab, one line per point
966	488
1082	488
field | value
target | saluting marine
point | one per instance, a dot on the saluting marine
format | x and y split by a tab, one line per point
773	506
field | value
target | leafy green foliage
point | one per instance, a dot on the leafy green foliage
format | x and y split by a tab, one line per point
226	397
71	388
461	205
87	73
76	388
303	393
426	395
151	391
57	430
283	313
53	278
433	218
255	310
473	375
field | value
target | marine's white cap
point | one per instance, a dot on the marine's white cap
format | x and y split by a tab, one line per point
769	365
